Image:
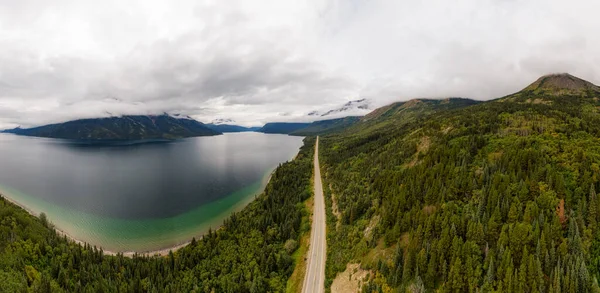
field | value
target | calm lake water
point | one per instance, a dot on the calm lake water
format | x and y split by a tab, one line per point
140	197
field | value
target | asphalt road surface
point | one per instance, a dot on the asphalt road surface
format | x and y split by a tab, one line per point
314	279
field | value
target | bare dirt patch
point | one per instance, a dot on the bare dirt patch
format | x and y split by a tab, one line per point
372	224
424	144
404	239
334	209
538	101
542	101
428	210
422	147
413	162
350	280
495	156
447	129
411	103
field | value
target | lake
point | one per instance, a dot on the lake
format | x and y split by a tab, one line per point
140	197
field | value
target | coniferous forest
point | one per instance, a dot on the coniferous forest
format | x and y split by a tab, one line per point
250	253
500	196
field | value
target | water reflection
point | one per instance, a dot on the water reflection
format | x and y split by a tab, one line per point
156	179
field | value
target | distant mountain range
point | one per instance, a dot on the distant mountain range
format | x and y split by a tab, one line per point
220	121
151	127
351	108
282	127
400	110
135	127
314	128
231	128
326	126
229	125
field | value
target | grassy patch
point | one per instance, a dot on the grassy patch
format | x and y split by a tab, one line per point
380	252
295	281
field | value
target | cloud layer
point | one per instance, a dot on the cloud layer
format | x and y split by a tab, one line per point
260	61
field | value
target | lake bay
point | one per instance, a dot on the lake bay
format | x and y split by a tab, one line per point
140	197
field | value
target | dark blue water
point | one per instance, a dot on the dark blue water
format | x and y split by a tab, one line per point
140	181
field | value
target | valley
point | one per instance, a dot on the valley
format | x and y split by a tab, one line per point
299	146
448	195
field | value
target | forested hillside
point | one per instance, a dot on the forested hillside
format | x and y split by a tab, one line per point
133	127
250	253
497	196
326	126
282	127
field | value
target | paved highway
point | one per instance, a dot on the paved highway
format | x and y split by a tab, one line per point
314	279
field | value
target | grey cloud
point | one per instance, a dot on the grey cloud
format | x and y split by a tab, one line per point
254	62
223	60
221	70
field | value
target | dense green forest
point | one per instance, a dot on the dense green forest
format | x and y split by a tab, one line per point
494	197
326	126
250	253
282	127
133	127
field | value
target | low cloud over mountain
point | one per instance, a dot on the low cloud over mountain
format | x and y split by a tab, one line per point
256	62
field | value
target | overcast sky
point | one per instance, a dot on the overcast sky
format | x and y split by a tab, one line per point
260	61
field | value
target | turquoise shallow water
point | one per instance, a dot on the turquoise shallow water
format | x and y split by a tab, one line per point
240	163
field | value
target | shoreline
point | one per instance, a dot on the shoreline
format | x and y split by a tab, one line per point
158	252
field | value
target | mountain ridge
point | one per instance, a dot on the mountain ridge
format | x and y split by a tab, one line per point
321	127
413	104
127	127
223	127
282	127
563	82
351	108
